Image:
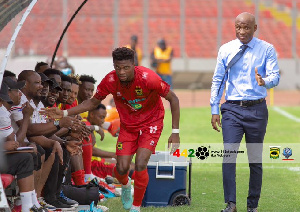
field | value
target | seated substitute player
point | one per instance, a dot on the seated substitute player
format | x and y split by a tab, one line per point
137	92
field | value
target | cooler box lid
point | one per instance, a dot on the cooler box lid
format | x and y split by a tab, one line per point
165	159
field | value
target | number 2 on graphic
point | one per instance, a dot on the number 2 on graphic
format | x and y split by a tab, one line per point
153	129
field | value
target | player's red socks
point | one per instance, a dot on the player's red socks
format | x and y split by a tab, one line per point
133	175
87	153
140	184
78	177
123	179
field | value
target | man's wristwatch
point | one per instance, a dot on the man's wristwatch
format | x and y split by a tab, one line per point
56	124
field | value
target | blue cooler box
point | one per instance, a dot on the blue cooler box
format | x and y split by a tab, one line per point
167	179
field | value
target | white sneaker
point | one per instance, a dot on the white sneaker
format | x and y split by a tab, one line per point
88	177
44	204
103	208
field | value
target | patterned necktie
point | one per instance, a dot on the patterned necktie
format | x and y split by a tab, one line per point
233	61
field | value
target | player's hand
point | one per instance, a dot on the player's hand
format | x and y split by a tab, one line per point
27	109
57	148
100	131
11	145
173	142
76	136
258	78
73	147
69	122
53	113
215	119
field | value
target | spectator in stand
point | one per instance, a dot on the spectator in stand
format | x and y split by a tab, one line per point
64	66
138	56
161	57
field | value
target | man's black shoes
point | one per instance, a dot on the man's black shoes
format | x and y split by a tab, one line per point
252	209
231	207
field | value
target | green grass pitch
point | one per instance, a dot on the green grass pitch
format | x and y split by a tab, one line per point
281	186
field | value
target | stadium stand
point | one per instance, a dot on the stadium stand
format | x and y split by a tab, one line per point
92	31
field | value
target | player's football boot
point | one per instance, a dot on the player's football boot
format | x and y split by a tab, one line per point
126	195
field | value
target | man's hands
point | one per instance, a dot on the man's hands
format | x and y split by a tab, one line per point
11	145
173	142
100	131
215	119
34	147
57	148
53	113
27	109
73	147
78	128
259	78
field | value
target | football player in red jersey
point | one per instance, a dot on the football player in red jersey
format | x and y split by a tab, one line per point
137	92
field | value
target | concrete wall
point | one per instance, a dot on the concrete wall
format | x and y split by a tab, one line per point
99	67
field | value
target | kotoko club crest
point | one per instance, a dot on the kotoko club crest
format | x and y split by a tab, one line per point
139	91
119	146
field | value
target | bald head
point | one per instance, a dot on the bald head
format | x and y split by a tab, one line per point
33	86
245	17
25	75
245	26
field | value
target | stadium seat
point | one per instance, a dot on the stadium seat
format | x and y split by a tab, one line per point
92	31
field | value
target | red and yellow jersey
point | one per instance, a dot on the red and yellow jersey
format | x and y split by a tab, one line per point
61	106
74	104
138	103
163	68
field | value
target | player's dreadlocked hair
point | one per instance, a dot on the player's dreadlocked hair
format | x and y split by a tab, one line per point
87	78
123	53
75	79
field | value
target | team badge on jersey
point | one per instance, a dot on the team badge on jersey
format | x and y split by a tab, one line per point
119	145
139	91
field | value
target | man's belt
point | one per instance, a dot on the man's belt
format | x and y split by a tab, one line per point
246	103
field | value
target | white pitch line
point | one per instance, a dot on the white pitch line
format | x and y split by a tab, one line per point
286	114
